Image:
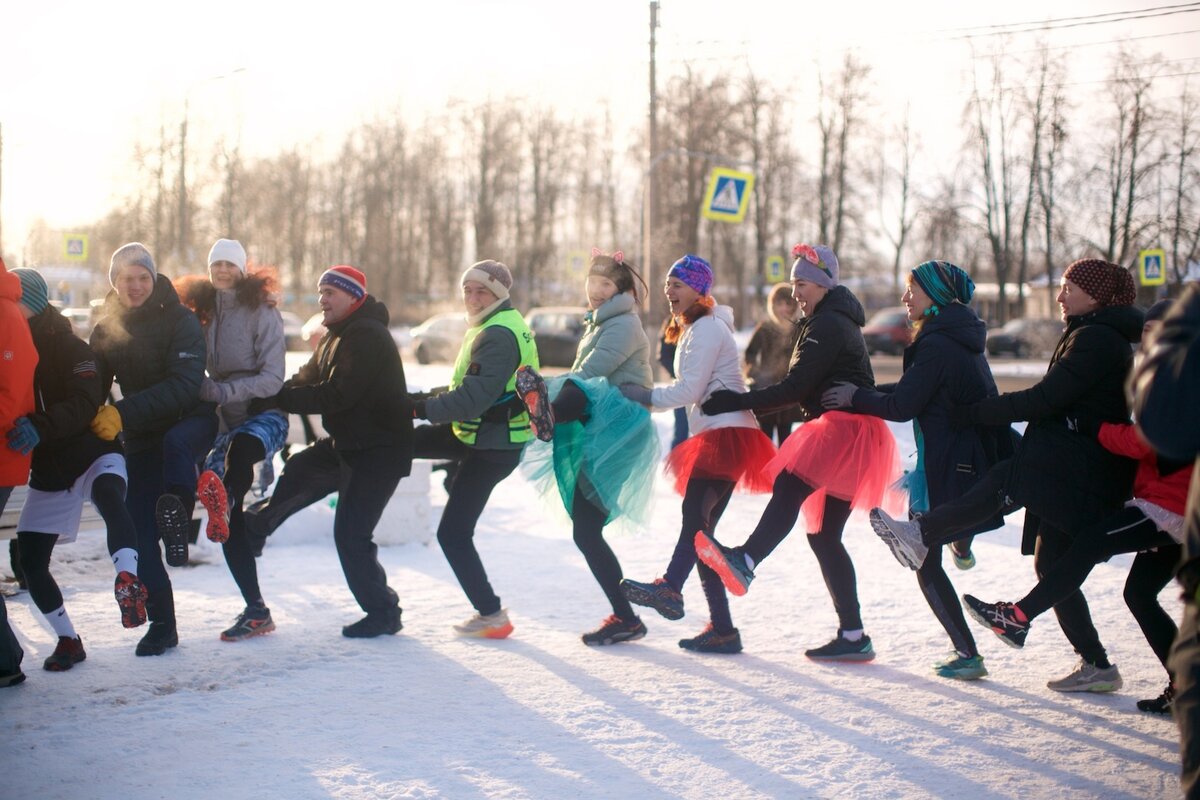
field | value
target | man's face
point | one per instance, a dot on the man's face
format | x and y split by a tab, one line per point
134	285
476	297
335	304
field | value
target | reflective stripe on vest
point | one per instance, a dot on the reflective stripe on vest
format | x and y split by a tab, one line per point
518	426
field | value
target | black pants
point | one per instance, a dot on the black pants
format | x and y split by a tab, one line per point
588	521
949	521
704	501
11	653
108	496
364	480
777	521
1074	616
1185	666
478	473
244	452
777	425
943	602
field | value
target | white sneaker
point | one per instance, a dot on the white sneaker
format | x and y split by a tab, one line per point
902	536
1089	678
492	626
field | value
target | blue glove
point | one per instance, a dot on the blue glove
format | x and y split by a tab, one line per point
23	437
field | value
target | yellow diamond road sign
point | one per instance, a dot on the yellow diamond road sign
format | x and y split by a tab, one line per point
728	195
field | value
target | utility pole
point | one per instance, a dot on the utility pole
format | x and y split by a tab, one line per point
651	210
181	241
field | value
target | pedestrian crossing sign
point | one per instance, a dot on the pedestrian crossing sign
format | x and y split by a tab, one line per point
1151	267
728	195
75	246
775	269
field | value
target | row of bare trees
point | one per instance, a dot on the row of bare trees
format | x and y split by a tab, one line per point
1048	171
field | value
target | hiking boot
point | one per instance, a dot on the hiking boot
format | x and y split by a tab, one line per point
211	492
615	630
532	391
254	621
490	626
1088	678
842	649
171	517
962	555
67	654
961	668
660	596
903	537
709	641
1161	704
728	562
162	634
131	597
375	623
1005	619
11	679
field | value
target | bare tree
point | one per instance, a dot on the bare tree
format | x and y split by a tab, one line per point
903	212
837	120
1186	183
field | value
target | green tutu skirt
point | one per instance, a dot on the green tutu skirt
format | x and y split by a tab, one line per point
612	457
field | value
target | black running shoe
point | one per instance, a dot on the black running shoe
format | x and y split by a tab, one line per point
709	641
843	649
171	517
254	621
660	596
532	391
376	623
615	630
1161	704
1005	619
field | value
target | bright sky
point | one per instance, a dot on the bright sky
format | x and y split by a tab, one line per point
84	80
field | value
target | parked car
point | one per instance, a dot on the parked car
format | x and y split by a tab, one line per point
557	331
887	331
439	337
1025	338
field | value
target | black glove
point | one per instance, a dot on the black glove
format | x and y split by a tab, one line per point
1084	426
964	416
722	401
418	409
259	405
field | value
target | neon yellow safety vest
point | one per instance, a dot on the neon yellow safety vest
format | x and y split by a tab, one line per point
518	426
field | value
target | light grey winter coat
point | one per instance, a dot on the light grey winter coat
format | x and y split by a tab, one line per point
245	356
614	344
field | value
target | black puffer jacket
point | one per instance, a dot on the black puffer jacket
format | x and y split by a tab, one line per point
945	367
355	381
67	391
156	352
1064	477
830	350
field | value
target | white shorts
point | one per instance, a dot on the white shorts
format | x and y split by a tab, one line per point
60	512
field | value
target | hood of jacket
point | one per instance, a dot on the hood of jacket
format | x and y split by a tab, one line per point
10	286
50	322
371	309
1125	320
841	300
725	314
616	305
960	324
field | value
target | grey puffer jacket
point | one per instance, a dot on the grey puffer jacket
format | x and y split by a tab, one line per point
614	344
245	355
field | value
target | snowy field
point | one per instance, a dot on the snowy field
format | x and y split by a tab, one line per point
306	713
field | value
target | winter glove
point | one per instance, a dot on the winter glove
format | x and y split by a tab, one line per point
1084	426
260	405
23	437
209	391
840	395
722	401
636	393
107	423
964	416
418	407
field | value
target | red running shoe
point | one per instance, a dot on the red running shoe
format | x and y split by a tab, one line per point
211	492
131	597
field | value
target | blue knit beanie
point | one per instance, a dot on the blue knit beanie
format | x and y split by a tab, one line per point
34	294
945	283
694	271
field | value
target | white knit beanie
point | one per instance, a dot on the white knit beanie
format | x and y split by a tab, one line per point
493	275
230	250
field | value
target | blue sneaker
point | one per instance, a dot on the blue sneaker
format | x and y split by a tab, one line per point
961	668
728	562
660	596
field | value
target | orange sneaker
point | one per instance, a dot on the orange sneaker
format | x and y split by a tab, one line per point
211	492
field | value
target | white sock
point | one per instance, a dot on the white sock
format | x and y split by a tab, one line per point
61	623
853	636
749	561
126	560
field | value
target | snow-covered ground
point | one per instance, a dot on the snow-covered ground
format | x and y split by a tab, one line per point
306	713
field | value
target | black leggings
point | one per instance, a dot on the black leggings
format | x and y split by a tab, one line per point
704	501
588	523
108	496
244	452
777	521
951	520
1074	616
943	602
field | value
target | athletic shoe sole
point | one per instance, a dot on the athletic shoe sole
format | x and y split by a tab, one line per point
708	552
1096	687
211	492
532	390
901	553
616	638
850	658
640	596
985	622
261	630
501	632
131	598
11	679
171	518
962	675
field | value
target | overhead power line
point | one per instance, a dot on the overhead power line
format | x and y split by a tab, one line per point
1035	28
1112	16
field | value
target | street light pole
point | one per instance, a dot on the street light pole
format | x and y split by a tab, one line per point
655	156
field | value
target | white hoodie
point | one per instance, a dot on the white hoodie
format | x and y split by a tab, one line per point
706	359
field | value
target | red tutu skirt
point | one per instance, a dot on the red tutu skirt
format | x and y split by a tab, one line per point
850	456
740	455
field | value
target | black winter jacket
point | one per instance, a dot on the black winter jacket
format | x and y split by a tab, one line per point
355	381
156	352
1066	478
945	367
67	392
830	350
